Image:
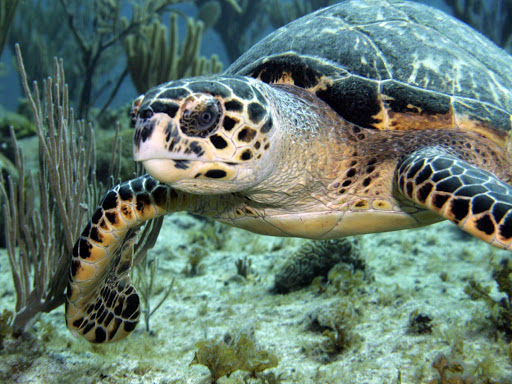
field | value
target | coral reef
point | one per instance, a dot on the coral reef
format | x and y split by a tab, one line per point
314	259
492	18
7	12
89	34
154	55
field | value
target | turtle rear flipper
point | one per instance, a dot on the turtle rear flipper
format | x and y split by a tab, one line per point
474	199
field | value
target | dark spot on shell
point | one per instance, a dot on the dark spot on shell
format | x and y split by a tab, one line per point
471	190
256	112
441	175
95	235
110	201
460	208
485	225
132	305
246	155
210	87
267	126
143	200
218	142
409	188
78	322
88	327
137	185
229	123
234	105
351	172
87	229
367	181
442	163
125	192
129	326
424	191
415	168
246	134
506	227
240	88
449	185
111	217
499	210
174	93
439	200
424	175
169	108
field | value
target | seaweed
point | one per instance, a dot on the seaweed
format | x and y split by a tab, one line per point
336	325
419	324
501	310
243	267
194	266
447	370
233	353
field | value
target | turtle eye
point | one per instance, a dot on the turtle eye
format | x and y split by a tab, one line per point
208	118
201	120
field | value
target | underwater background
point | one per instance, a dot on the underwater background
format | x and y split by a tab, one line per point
430	305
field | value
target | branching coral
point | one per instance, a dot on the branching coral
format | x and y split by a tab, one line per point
155	56
40	238
145	271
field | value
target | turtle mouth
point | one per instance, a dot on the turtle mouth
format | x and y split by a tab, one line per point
170	171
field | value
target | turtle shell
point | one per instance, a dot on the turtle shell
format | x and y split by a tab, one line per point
391	65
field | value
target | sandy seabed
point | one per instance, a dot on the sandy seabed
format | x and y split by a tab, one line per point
423	270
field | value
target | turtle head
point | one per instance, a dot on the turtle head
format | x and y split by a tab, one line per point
206	134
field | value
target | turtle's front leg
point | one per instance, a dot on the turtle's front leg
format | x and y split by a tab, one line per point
101	303
474	199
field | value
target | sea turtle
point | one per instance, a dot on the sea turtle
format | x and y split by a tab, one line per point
365	116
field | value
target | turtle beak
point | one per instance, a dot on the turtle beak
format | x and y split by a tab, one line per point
150	141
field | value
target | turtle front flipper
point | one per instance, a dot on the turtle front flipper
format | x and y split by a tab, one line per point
101	303
474	199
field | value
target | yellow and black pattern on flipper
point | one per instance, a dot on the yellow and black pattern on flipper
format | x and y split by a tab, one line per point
476	200
101	303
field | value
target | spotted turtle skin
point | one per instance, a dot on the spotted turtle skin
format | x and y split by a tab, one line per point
366	116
